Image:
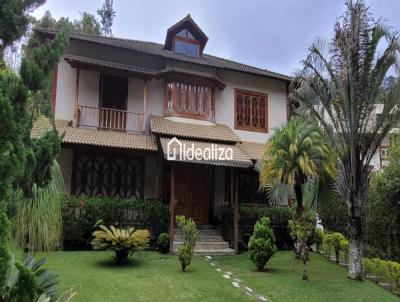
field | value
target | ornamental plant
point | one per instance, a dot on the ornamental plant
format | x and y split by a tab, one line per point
123	241
335	241
188	230
318	238
163	243
262	243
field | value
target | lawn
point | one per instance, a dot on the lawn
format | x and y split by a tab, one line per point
156	277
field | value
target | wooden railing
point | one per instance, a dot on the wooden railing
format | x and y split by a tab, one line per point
112	119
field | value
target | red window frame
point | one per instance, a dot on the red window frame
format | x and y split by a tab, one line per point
187	40
251	111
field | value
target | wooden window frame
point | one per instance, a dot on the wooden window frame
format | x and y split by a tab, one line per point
209	116
251	94
186	40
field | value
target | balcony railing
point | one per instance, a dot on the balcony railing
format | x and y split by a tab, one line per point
111	119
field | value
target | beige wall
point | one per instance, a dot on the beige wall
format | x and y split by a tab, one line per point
224	102
66	78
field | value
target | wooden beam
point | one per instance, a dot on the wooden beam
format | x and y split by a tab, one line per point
76	121
172	210
235	208
144	105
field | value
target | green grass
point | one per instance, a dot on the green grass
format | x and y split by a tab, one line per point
156	277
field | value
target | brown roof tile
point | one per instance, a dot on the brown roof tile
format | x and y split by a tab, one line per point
94	137
158	49
254	151
215	132
239	159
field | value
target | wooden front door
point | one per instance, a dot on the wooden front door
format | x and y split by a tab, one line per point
192	192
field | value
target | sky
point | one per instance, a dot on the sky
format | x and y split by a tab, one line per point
268	34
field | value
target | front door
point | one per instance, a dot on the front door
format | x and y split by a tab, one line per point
192	192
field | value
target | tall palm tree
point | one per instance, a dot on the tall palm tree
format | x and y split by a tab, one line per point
339	85
295	155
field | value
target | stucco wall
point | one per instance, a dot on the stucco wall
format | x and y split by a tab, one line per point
89	88
65	94
224	102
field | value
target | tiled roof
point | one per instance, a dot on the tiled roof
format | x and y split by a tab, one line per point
72	59
159	50
254	151
215	132
95	137
239	159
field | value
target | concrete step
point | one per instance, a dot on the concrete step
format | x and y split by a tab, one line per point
224	252
202	238
205	245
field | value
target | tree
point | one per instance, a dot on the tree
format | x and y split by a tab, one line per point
88	24
14	20
295	154
107	15
262	243
189	234
339	85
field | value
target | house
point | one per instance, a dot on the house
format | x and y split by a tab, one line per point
165	121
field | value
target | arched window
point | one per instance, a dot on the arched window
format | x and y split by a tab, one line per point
186	44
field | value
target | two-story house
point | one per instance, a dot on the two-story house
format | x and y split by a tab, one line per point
119	103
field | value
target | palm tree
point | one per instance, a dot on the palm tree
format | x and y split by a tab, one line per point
295	155
339	85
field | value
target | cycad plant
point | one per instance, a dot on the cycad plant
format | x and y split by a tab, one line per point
123	241
38	223
340	85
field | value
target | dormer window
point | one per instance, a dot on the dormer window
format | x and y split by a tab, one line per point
186	37
185	43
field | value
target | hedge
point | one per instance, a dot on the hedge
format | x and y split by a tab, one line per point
388	271
248	216
80	214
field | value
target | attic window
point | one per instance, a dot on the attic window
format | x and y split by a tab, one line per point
185	43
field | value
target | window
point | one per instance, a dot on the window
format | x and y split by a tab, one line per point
183	98
186	44
384	152
251	111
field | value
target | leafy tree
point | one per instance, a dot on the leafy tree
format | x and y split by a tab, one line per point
262	243
88	24
318	238
381	212
339	86
334	241
14	20
107	15
295	154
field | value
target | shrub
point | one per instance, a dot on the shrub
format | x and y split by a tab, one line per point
388	271
318	238
31	281
80	214
187	228
279	221
334	241
163	243
262	243
123	241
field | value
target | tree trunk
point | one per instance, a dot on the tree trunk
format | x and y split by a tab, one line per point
355	270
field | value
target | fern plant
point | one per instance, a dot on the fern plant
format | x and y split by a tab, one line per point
123	241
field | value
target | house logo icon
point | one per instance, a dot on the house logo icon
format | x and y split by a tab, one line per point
174	148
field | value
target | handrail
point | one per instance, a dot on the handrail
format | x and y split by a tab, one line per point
109	119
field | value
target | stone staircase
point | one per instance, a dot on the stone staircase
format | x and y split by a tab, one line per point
209	242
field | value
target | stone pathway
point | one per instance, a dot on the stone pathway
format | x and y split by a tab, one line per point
237	282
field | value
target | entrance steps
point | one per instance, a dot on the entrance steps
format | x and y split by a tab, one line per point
210	242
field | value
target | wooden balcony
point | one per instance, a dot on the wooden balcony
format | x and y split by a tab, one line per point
110	119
